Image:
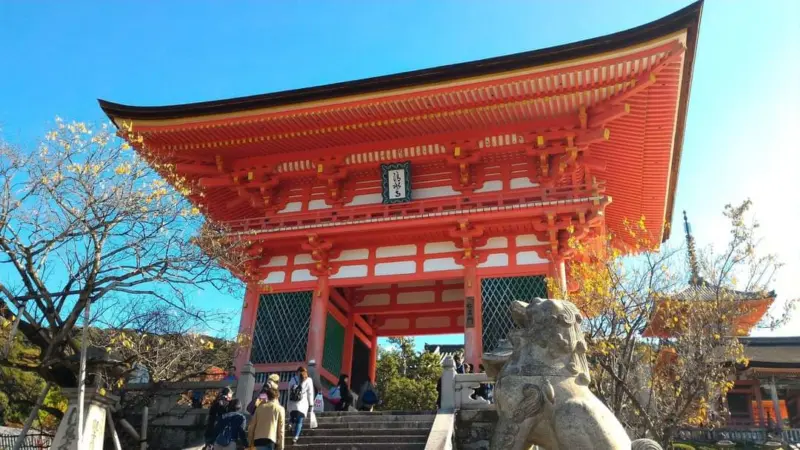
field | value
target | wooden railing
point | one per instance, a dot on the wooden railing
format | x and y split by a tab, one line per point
562	195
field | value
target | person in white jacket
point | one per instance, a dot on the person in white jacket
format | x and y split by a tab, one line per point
301	401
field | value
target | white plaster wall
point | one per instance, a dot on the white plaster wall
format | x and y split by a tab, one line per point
406	298
353	255
528	240
395	324
302	275
433	248
439	191
522	182
291	207
453	295
529	257
439	264
278	261
375	300
318	204
490	186
495	242
303	258
396	250
365	199
432	322
276	277
495	260
351	271
395	268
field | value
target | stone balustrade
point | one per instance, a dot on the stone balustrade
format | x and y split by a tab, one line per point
459	391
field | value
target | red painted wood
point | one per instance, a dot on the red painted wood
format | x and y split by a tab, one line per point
473	336
373	357
319	313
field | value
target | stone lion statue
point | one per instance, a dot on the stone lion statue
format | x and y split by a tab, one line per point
542	392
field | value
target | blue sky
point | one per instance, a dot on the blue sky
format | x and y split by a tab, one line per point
741	140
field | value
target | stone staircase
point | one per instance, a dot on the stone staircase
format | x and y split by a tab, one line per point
385	430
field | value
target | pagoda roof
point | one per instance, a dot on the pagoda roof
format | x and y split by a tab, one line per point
647	70
703	290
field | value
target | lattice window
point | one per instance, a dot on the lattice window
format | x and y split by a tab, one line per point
497	294
334	345
281	332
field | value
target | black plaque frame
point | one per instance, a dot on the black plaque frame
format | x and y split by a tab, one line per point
385	169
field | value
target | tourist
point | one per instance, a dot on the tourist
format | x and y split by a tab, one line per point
367	396
272	383
231	374
301	401
218	408
231	428
346	396
268	424
459	366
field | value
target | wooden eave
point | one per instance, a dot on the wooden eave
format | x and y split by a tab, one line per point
460	102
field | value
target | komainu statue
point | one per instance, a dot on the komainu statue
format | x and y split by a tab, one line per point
542	392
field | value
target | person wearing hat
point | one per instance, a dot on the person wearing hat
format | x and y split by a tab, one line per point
271	383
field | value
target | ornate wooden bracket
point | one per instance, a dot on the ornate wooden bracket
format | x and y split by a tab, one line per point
333	175
468	237
257	257
463	160
321	252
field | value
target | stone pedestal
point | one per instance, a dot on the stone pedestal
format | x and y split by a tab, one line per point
94	424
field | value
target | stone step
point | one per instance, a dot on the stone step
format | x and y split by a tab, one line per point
418	424
421	431
355	446
374	413
354	417
364	439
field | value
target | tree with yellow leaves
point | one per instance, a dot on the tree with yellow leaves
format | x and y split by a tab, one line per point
85	220
663	328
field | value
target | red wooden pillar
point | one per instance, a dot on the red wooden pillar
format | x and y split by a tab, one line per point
349	336
247	325
373	356
319	316
473	316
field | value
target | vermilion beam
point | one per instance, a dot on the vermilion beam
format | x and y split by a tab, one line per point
411	308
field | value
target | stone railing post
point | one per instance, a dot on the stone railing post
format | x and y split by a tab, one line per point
448	385
246	384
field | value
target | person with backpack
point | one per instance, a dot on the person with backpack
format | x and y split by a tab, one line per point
268	424
367	396
301	401
218	408
231	428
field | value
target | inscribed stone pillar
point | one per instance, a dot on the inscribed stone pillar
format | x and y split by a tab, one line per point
95	406
246	383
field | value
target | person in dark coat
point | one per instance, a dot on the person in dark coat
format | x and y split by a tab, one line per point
346	400
235	420
215	413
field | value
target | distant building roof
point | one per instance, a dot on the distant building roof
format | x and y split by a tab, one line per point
445	350
772	352
703	290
